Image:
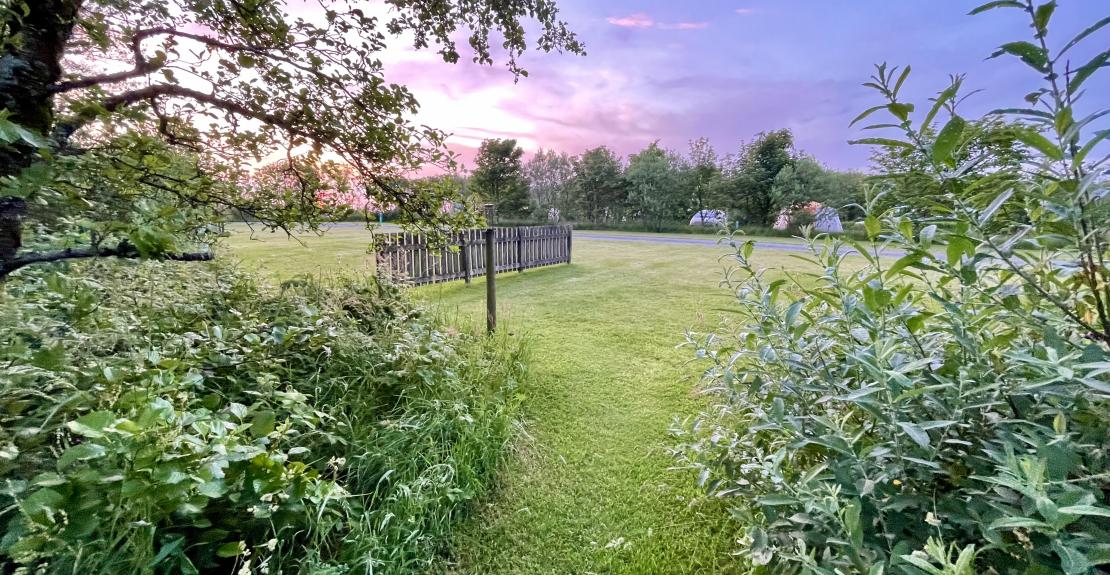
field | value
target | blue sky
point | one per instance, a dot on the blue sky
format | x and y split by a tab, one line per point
726	70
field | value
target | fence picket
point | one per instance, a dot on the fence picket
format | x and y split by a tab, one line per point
410	258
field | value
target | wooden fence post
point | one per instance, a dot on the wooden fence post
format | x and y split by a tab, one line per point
570	231
491	271
466	256
520	249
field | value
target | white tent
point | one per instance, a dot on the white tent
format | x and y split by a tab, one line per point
826	220
708	218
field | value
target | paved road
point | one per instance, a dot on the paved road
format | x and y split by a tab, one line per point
760	243
673	240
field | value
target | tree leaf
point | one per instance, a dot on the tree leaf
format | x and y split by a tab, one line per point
1086	71
901	80
989	212
1040	143
232	549
262	423
1029	53
995	4
92	424
777	499
1072	561
82	452
918	435
1080	36
902	263
944	96
873	226
171	548
1083	152
1019	522
947	139
900	110
884	142
865	114
1040	114
1043	15
1086	510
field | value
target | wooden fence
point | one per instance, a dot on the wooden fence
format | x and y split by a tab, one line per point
410	258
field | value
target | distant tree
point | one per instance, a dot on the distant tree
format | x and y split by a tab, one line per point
499	177
654	186
702	175
848	191
750	188
806	180
550	176
803	181
599	185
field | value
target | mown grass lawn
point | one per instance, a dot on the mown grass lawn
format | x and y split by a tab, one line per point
589	487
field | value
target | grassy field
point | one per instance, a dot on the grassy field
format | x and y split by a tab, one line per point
589	488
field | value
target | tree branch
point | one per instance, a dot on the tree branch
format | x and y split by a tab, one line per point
123	250
65	129
144	66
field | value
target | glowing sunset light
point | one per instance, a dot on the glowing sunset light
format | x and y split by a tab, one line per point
674	72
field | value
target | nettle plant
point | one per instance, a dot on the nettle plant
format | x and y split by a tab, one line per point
934	400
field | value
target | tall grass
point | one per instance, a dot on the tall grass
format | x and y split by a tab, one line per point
165	418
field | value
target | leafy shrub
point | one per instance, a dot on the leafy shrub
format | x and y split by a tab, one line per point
865	409
162	418
936	399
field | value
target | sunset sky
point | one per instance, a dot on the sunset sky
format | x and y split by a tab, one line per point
726	70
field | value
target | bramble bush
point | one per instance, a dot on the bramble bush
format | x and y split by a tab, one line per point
179	418
935	399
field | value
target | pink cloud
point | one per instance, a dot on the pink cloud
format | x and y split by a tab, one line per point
744	11
639	20
686	26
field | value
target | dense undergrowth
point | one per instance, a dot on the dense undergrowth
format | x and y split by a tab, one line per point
166	418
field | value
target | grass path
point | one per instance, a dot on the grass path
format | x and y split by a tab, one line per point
588	488
589	491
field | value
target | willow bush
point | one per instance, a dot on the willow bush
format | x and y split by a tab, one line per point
934	399
178	418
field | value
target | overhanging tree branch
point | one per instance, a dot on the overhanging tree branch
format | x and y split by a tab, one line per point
123	250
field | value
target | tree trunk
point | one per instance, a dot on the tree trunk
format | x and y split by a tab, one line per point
27	70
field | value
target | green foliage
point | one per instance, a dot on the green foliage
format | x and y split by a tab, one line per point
806	180
749	189
179	419
498	177
550	176
600	186
655	186
936	402
702	176
980	148
866	408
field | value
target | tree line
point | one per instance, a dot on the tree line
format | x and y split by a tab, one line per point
657	186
